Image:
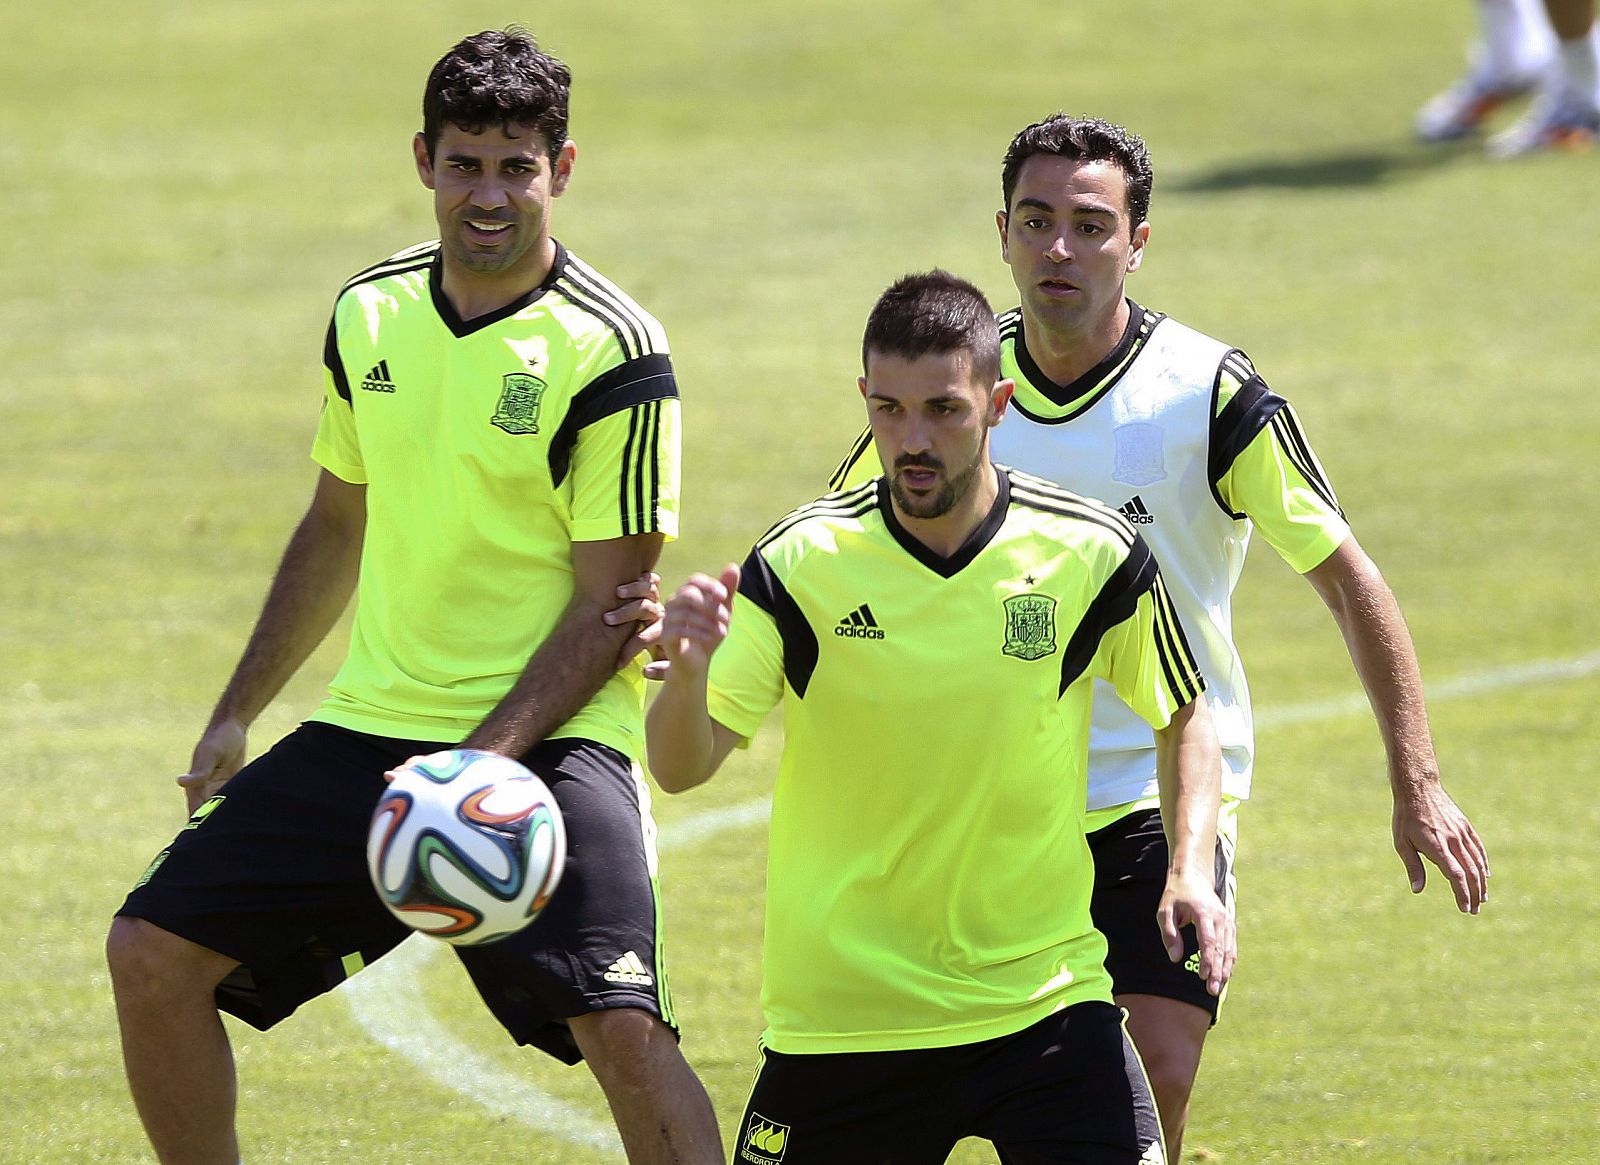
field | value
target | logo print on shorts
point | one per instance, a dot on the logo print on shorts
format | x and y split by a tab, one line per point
1030	626
518	410
763	1140
629	969
150	870
205	810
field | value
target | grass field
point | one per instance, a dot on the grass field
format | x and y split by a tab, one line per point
187	186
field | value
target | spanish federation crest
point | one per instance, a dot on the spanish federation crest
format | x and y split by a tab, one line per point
1030	626
1140	460
518	410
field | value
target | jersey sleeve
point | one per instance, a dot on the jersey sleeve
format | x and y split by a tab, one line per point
1263	468
337	447
860	465
625	446
747	672
1143	651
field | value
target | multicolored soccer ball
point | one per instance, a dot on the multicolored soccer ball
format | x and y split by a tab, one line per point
466	846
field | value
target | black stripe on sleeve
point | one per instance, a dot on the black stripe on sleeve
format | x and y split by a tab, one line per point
1178	663
1286	427
332	362
1116	602
836	479
638	504
626	386
761	585
1241	419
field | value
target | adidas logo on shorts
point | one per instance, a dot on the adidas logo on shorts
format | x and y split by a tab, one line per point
628	969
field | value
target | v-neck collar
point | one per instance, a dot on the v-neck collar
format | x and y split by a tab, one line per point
980	537
462	328
1085	392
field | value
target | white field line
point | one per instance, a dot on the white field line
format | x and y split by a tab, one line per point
387	1002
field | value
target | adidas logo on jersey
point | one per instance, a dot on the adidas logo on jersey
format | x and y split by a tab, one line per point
378	378
1134	511
859	624
628	969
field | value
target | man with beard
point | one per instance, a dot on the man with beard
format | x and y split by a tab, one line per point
930	970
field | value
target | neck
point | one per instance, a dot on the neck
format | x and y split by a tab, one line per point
948	532
477	293
1064	354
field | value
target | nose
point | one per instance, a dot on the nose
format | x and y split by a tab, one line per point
487	193
914	438
1058	251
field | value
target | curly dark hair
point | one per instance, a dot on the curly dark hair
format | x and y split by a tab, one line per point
1086	139
934	312
498	78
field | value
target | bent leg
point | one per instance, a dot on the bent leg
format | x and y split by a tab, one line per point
660	1107
1170	1036
179	1065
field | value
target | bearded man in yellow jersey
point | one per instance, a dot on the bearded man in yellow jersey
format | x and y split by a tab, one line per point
930	969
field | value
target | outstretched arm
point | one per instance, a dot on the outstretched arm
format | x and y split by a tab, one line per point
1189	767
310	589
1427	822
685	744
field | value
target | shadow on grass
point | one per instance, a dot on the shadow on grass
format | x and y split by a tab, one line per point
1362	167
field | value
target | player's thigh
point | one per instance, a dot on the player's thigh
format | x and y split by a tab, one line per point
271	872
597	944
1131	858
1170	1036
1067	1091
853	1108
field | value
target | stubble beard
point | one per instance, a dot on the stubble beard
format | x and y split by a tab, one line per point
935	505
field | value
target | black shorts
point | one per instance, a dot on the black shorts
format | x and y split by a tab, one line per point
1069	1089
1130	873
272	872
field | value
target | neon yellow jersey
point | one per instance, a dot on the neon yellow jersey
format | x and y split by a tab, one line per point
1178	432
1262	465
928	879
488	447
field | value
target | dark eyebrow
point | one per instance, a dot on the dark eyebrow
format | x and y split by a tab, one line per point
1096	208
1091	208
528	159
932	400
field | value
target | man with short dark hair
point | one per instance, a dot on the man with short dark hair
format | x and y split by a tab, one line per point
499	453
930	971
1180	432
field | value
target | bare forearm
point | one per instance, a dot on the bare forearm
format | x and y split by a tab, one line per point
310	590
566	671
1189	768
680	736
1385	659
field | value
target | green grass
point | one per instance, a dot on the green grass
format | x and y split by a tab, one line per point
188	184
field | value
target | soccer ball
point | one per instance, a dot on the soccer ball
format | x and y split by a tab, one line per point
466	846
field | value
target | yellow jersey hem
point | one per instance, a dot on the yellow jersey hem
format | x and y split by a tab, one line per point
803	1043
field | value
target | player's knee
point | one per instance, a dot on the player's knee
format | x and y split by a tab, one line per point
151	963
1171	1072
